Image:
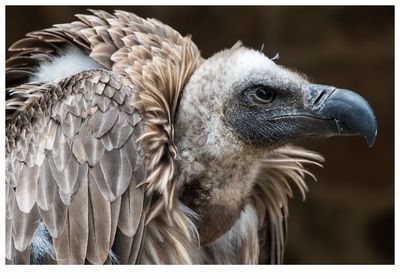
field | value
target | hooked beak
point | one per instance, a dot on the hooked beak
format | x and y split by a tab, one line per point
332	112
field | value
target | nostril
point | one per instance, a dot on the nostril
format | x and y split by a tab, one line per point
318	99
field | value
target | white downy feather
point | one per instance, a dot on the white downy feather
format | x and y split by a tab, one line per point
71	61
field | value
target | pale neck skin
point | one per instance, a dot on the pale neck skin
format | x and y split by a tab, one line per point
218	171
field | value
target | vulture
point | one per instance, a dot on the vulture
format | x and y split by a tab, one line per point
125	146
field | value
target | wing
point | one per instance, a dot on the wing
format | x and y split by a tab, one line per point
155	57
159	62
73	164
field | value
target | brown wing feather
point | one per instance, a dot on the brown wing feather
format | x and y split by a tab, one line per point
82	180
24	226
121	245
131	209
70	247
115	211
54	218
159	62
99	225
46	187
26	188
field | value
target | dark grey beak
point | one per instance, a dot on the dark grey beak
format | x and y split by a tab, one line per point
345	112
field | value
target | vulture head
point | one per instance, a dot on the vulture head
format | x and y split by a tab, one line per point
243	101
238	108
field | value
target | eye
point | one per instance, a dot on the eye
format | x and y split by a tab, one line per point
263	94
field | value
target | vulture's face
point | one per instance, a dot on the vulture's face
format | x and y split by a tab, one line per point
266	105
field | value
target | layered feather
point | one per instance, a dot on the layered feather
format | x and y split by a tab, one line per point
74	189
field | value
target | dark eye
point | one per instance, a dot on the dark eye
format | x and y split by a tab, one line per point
263	95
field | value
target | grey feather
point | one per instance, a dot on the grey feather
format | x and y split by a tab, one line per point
118	135
66	178
121	246
55	218
114	172
71	246
71	124
99	225
10	251
26	188
100	122
131	209
24	227
115	211
93	148
46	187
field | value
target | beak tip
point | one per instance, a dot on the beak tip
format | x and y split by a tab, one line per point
371	138
370	142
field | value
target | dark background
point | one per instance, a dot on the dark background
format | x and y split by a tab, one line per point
348	216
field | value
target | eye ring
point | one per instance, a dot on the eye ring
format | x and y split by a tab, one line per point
263	95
